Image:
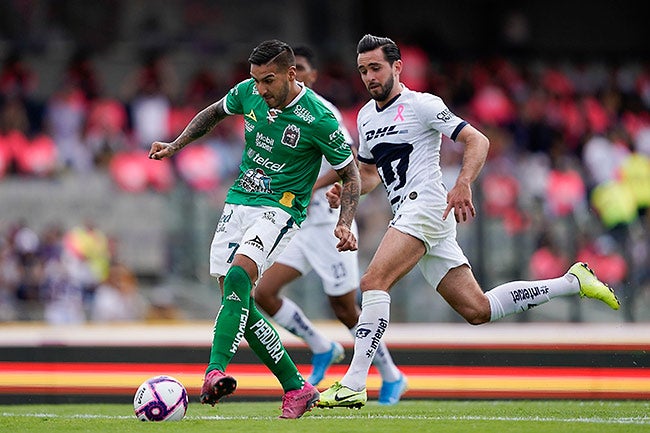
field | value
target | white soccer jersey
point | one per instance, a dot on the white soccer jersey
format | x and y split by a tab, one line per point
403	141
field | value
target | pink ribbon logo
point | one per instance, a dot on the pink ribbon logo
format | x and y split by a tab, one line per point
400	110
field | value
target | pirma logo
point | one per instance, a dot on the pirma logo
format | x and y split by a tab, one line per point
256	242
233	297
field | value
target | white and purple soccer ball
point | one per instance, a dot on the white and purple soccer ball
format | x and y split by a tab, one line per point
160	398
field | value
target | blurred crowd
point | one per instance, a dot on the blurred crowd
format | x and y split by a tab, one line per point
569	162
65	277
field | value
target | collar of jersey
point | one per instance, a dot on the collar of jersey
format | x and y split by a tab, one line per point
303	90
388	104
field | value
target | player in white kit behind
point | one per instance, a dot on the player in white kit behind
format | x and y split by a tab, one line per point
399	145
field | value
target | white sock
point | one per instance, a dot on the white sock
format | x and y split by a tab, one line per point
383	361
373	322
518	296
292	318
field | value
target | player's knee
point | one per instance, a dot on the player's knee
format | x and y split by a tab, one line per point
370	281
264	299
476	316
260	296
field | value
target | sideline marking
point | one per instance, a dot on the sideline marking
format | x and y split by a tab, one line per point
625	420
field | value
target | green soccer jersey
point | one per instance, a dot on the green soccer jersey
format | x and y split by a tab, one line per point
284	149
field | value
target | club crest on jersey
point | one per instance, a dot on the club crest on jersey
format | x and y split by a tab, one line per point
291	136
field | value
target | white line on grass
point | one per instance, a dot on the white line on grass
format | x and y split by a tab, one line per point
624	420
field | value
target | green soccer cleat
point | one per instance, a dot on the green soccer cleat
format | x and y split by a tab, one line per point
338	395
592	287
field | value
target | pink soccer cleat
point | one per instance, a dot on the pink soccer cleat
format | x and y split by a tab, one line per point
216	385
295	403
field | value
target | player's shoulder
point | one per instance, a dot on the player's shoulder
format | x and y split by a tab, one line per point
327	104
310	108
418	98
367	109
243	89
313	100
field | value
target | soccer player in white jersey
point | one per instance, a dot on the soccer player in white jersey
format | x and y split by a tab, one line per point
399	146
287	133
314	248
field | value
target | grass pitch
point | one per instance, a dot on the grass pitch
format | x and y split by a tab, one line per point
408	416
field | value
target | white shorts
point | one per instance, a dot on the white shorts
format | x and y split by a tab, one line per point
440	258
258	232
314	247
419	217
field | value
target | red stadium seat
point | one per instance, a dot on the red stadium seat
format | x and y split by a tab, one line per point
564	191
198	165
5	156
39	157
129	171
501	192
160	174
546	263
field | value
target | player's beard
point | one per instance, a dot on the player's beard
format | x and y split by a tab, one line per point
385	90
280	98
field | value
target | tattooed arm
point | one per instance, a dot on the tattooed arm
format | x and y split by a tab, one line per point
349	201
200	125
369	181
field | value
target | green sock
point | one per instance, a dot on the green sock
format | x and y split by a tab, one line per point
264	340
230	324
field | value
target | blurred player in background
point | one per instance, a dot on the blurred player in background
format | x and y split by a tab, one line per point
314	247
287	133
400	136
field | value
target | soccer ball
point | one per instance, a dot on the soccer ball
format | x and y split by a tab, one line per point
160	398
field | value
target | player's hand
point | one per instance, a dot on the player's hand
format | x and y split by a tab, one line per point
333	195
347	240
160	150
459	199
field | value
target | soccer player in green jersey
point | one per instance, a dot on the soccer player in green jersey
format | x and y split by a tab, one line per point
287	132
314	248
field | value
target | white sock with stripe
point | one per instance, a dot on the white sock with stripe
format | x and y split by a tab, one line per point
519	296
291	317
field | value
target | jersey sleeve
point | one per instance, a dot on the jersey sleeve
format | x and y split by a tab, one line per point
435	114
233	102
331	140
339	117
363	153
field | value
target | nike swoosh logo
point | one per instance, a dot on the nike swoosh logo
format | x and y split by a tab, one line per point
337	398
364	124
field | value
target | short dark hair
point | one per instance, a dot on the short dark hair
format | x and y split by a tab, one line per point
274	51
307	53
390	48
